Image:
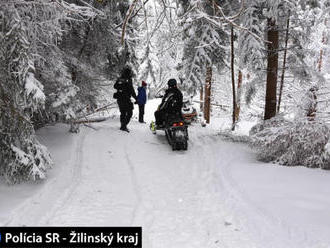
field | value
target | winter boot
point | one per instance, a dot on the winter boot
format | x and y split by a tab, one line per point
124	128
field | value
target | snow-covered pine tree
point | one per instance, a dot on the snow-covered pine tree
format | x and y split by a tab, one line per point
254	63
22	156
147	70
148	61
204	44
251	57
79	73
29	32
160	45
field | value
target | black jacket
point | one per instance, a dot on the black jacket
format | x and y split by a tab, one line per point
172	100
125	90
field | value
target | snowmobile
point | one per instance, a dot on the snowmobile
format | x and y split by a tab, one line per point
175	128
189	113
176	132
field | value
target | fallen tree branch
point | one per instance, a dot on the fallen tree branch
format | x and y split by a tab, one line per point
94	128
84	118
99	119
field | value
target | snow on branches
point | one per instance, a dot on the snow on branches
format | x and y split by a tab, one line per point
299	143
30	32
204	44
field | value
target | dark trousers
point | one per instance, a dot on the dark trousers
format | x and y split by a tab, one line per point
159	116
126	112
141	112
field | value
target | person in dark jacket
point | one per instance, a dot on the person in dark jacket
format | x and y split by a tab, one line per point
141	100
171	103
125	91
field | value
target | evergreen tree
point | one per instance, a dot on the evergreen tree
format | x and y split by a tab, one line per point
204	44
30	31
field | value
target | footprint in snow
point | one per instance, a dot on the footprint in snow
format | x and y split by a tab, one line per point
227	223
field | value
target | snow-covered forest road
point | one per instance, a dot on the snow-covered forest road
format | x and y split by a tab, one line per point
237	62
213	195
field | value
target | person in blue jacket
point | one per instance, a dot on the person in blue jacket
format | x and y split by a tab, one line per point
141	100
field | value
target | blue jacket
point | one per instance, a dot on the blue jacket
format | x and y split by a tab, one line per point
142	96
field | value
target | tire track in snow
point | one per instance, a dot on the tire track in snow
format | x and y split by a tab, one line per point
266	227
50	195
244	212
139	207
223	229
135	186
75	174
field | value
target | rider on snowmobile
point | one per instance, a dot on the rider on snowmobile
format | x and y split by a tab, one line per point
171	104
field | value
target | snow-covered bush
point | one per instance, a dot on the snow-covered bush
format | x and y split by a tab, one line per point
300	142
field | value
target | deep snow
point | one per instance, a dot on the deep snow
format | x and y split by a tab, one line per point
213	195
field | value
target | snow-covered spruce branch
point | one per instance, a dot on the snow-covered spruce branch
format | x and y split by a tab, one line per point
97	11
85	13
218	21
29	40
6	104
215	22
229	19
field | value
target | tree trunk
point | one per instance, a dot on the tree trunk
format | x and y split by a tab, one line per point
284	62
207	97
239	93
322	51
312	106
85	39
320	60
233	78
201	98
272	68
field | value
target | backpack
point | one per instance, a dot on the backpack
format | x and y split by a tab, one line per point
121	87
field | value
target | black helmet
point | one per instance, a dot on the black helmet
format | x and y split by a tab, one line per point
171	82
127	72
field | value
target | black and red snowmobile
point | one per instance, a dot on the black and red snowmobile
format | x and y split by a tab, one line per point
176	130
